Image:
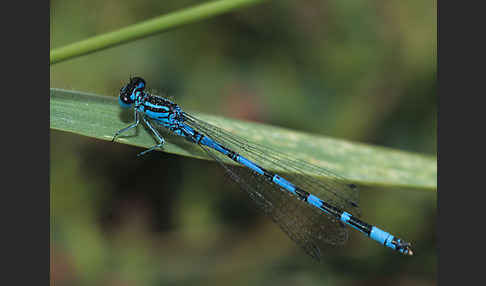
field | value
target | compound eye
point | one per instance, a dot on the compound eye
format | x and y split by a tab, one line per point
124	100
138	82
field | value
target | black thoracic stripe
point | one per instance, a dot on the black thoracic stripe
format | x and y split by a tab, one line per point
154	100
156	109
157	100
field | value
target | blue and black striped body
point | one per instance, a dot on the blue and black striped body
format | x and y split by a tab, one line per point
171	116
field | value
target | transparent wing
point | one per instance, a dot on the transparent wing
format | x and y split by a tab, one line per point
305	225
326	185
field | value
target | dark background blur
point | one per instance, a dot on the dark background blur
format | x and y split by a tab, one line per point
363	71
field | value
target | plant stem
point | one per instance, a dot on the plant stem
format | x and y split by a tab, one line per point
148	28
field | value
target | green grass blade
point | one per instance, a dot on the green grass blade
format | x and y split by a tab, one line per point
147	28
100	117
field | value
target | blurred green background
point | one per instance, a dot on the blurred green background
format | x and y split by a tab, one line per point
363	71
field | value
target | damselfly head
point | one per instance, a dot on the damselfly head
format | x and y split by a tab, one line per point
127	96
